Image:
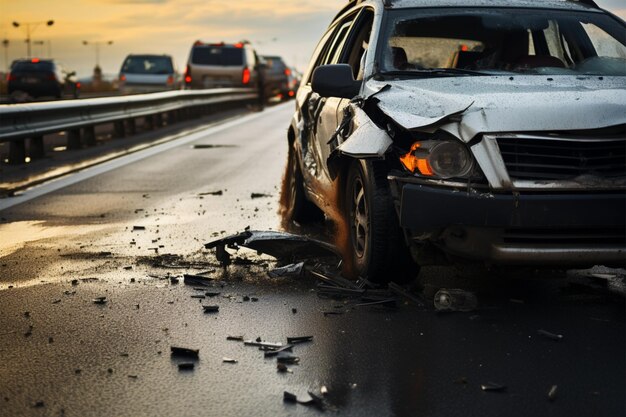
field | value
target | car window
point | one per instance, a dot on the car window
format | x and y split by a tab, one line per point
528	41
217	55
332	57
147	65
29	66
357	43
319	53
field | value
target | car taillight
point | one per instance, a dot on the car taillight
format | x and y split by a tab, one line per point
11	77
122	77
245	77
187	75
287	72
170	80
78	85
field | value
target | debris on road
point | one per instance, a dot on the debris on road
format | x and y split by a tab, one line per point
289	397
280	245
200	296
288	359
282	368
260	343
184	352
100	300
229	360
324	390
237	338
455	300
549	335
299	339
189	279
211	309
218	192
274	352
139	227
212	293
552	393
493	387
287	271
187	366
259	195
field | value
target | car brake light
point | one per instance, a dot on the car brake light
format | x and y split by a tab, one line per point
187	75
239	45
287	72
77	85
170	80
291	93
11	77
122	77
34	60
245	78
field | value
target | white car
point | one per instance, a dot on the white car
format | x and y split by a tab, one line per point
148	73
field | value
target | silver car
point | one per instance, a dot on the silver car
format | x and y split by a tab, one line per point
148	73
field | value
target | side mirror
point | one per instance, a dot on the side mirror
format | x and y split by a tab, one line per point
335	81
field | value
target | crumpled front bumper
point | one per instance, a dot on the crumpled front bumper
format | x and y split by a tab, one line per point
566	229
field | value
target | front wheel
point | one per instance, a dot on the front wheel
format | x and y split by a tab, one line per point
295	206
376	245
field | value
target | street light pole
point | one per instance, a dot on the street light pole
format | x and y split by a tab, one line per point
97	48
5	43
30	28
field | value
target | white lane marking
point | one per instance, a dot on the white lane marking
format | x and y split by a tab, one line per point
105	167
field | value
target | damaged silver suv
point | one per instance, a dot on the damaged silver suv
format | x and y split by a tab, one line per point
447	131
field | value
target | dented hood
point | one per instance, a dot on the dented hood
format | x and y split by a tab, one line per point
504	103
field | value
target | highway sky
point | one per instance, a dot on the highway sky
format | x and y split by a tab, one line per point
284	27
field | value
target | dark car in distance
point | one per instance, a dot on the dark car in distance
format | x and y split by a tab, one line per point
40	78
276	77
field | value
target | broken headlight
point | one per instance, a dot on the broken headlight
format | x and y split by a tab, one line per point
439	158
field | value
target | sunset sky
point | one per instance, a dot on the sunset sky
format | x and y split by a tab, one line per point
284	27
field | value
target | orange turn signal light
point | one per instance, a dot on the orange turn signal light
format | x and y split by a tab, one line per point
413	163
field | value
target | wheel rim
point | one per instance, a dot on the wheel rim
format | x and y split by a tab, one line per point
292	180
359	216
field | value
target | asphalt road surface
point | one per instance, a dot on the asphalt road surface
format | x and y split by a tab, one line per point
67	243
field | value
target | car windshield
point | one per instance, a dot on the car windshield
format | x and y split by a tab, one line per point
217	55
29	66
418	42
139	64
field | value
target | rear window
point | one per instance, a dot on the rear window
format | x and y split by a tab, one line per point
275	63
148	65
217	55
42	66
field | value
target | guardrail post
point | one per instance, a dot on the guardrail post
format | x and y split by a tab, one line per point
73	139
148	122
172	117
158	120
119	130
17	152
36	148
131	126
89	136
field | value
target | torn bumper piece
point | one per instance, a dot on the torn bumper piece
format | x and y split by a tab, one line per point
542	229
280	245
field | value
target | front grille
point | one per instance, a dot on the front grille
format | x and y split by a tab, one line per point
558	158
595	236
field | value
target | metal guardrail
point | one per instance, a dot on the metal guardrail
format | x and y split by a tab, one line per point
19	122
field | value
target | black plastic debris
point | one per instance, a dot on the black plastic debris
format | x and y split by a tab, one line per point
332	313
74	282
187	366
387	302
229	360
212	293
236	338
335	280
287	359
493	387
139	227
39	404
174	280
549	335
282	368
280	245
287	271
200	296
184	352
552	393
259	195
455	300
289	397
100	300
211	309
299	339
218	192
294	310
189	279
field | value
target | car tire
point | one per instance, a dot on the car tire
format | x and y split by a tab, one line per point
376	244
295	206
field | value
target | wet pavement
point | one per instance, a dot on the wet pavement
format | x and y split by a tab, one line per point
131	232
